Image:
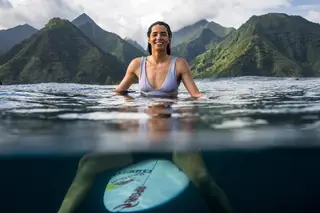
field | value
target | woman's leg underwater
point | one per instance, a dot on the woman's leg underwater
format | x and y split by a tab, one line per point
89	166
193	166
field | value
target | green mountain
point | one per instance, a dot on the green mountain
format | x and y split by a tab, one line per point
196	46
13	36
195	39
190	32
273	44
187	33
82	19
219	30
59	52
134	43
107	41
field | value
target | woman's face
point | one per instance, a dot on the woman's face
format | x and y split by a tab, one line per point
159	37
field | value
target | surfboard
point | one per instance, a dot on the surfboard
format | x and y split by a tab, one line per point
143	186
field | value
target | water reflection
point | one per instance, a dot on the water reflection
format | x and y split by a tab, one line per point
160	124
163	122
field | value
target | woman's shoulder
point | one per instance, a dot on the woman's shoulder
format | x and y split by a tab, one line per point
182	65
136	61
181	61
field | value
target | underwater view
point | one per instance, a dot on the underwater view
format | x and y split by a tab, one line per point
254	139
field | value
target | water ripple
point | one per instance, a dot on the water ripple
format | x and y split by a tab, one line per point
229	104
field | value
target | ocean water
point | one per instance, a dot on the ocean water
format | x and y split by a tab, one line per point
259	138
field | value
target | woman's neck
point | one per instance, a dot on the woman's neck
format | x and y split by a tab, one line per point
159	57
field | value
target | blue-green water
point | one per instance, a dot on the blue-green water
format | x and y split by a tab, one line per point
259	138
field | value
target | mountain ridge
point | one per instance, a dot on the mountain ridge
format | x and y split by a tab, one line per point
108	41
270	45
60	52
10	37
192	40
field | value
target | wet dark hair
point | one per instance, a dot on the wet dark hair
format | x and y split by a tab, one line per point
169	33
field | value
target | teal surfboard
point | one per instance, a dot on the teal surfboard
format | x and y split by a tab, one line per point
143	186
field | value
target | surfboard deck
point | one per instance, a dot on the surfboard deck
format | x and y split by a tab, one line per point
144	185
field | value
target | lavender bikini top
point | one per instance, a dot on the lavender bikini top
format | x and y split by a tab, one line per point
169	86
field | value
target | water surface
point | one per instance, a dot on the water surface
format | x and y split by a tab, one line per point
235	113
259	137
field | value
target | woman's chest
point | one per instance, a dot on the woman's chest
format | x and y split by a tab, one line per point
158	75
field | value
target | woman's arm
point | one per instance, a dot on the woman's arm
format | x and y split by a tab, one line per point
184	70
129	77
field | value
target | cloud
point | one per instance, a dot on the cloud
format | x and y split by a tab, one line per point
36	12
236	12
310	12
313	16
131	18
6	4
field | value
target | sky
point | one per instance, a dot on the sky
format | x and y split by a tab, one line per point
131	18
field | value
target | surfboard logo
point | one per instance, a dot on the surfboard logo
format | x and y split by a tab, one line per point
122	181
132	201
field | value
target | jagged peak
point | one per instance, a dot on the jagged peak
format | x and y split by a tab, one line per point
201	22
219	25
28	26
294	21
84	15
24	25
55	22
130	39
20	26
82	19
274	15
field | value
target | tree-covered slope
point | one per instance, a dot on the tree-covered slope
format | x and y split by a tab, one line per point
59	52
270	45
108	41
12	36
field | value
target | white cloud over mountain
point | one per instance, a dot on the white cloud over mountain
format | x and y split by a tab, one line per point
131	18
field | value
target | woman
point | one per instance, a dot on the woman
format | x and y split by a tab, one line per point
159	75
